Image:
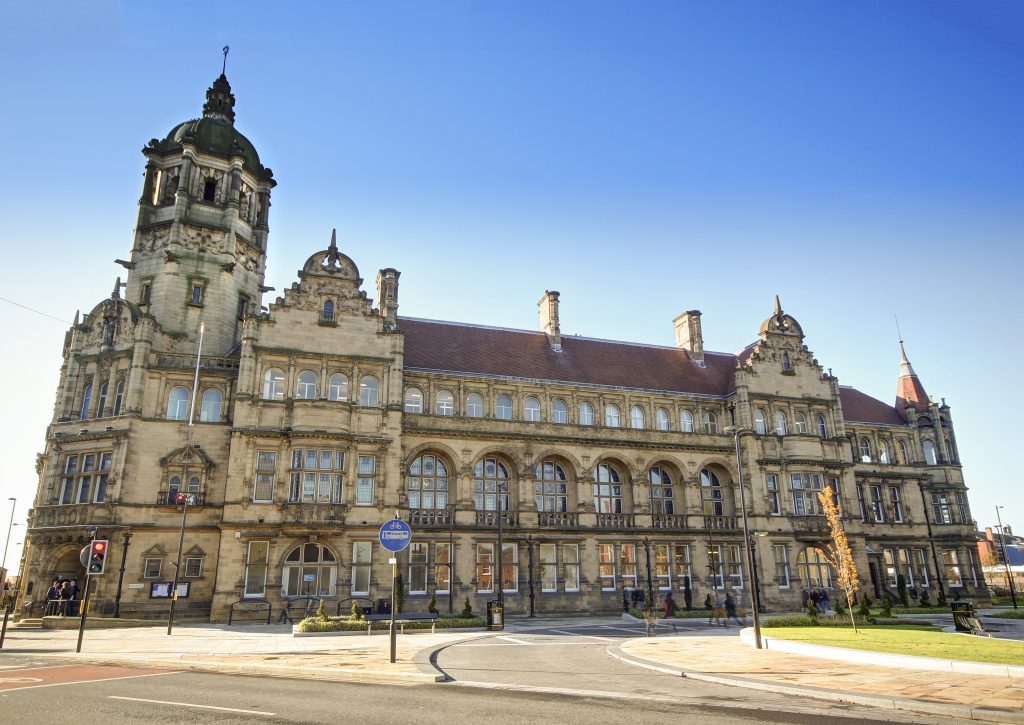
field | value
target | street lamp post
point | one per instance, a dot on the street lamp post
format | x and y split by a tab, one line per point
183	498
501	553
3	564
451	556
754	599
529	555
120	575
1006	560
650	583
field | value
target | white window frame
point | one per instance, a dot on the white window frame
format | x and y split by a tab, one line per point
366	479
474	405
256	570
369	392
273	384
559	411
306	385
444	403
362	567
531	409
413	400
662	420
147	573
197	572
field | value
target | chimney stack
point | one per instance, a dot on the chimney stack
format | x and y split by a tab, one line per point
688	334
548	309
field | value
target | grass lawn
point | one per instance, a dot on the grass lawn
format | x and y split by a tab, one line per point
1011	614
917	641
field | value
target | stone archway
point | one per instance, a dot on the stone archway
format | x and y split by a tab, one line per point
66	566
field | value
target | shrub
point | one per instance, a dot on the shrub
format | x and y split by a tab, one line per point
840	609
901	586
343	624
467	611
886	606
321	610
357	612
687	594
865	606
709	603
432	607
812	609
942	599
923	601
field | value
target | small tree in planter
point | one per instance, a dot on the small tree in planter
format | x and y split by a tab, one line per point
865	606
467	610
886	606
838	553
321	610
357	611
687	594
708	602
432	607
901	588
924	601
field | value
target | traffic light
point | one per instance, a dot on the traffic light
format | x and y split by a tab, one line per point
98	556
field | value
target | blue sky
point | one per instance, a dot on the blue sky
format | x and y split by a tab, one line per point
863	160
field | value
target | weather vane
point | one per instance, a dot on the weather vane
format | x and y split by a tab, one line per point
224	68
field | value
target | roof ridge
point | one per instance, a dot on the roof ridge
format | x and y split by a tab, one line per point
564	336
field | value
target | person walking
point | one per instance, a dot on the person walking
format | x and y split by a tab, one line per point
73	593
670	605
730	610
718	614
65	597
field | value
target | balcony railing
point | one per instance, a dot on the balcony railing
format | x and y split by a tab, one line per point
173	498
615	521
314	513
490	518
809	524
430	518
557	519
668	521
188	362
720	523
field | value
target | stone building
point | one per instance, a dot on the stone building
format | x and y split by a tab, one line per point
298	429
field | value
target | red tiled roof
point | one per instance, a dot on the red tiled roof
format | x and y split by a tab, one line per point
459	348
861	408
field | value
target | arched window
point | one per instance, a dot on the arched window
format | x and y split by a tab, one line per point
781	424
310	570
86	400
531	409
368	392
490	477
607	490
173	489
611	415
760	422
586	414
636	418
662	419
559	411
686	422
474	405
273	384
328	311
822	427
865	450
306	387
902	448
503	408
712	497
102	402
929	453
118	397
710	422
210	411
413	400
444	404
883	452
550	488
814	568
801	423
337	387
177	404
786	366
662	501
427	483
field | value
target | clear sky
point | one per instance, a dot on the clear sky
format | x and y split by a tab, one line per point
864	160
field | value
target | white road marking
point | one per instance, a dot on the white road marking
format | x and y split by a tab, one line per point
621	629
589	636
532	644
190	704
515	641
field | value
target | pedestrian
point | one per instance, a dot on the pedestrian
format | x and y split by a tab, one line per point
625	598
670	605
730	610
53	598
73	592
718	614
65	596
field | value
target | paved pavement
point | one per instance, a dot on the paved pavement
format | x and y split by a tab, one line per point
691	651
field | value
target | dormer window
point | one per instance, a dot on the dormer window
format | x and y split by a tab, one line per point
786	366
210	190
328	313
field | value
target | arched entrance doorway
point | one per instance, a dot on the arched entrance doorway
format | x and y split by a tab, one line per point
68	566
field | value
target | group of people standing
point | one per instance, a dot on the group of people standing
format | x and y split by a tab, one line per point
62	598
724	611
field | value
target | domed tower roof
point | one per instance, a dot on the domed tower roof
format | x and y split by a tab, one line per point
781	323
214	133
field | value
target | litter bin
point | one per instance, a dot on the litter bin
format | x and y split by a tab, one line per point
495	615
963	612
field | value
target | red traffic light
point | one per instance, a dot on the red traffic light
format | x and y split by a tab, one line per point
99	546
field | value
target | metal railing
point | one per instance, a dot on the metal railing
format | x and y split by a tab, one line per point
252	610
170	498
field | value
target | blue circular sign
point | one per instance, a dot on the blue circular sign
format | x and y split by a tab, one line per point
395	535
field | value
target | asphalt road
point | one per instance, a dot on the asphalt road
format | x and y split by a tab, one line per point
558	673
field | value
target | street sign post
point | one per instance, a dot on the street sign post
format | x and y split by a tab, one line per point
395	535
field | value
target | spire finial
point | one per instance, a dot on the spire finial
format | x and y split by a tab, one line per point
778	306
332	251
224	68
116	294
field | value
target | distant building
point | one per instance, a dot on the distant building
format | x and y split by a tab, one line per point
991	545
608	464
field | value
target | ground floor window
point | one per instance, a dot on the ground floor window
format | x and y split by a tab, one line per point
484	567
814	568
256	568
418	556
951	563
559	561
922	567
442	567
681	560
891	574
725	565
309	570
362	558
510	568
